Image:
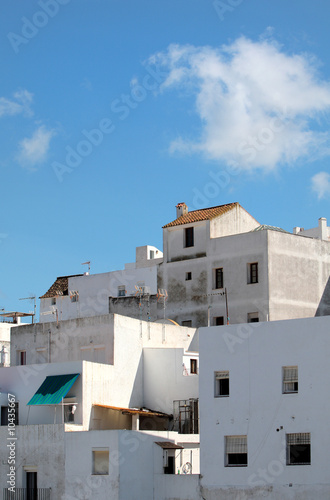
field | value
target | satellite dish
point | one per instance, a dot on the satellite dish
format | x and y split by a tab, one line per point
187	468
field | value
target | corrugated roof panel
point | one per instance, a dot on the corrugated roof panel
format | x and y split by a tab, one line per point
53	389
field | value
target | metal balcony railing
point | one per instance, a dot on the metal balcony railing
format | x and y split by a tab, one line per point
27	494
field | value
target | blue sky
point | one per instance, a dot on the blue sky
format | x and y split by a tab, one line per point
113	111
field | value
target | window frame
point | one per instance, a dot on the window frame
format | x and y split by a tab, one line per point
188	276
290	379
189	237
239	444
187	321
253	273
218	278
193	366
219	390
221	321
305	438
94	469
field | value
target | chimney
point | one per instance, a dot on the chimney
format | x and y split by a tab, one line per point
181	209
323	228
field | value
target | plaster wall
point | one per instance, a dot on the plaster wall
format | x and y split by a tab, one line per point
254	356
64	341
39	446
232	222
164	379
299	270
94	292
174	242
24	381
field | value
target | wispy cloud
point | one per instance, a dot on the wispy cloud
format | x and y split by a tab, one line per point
19	103
321	184
258	105
33	150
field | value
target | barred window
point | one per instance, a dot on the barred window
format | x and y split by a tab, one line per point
236	451
253	273
290	379
218	278
221	380
298	448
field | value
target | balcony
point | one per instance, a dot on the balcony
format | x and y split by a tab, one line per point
27	494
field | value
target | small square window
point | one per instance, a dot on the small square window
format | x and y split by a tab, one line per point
253	273
187	322
152	254
74	296
121	291
53	301
218	321
101	462
188	276
298	449
221	380
189	237
253	317
193	366
218	278
290	379
236	451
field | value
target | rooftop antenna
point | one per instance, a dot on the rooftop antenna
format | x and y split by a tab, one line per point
34	298
87	263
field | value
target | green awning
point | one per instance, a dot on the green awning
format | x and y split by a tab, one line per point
53	389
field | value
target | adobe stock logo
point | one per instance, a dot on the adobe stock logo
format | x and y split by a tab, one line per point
30	28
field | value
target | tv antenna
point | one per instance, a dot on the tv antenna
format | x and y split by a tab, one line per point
87	263
34	298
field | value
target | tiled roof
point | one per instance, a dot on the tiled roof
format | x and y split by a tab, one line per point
59	287
272	228
202	214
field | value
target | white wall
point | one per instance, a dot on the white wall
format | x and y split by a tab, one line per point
254	354
164	379
94	292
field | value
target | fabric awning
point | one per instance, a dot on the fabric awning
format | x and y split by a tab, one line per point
53	389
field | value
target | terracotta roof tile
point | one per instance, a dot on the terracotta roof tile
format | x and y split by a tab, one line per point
59	287
202	214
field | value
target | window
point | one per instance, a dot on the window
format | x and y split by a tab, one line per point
218	275
298	449
236	451
74	296
189	237
253	317
218	321
101	462
188	276
253	273
121	291
53	301
221	384
10	414
187	322
290	379
69	410
193	366
152	254
21	358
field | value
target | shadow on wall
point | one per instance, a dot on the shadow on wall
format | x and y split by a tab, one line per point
324	305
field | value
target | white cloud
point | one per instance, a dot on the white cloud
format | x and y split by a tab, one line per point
34	150
258	106
20	103
321	184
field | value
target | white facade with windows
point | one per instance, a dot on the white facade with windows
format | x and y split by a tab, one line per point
218	265
263	431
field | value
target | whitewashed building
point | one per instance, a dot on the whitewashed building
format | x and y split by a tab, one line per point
264	410
218	265
106	403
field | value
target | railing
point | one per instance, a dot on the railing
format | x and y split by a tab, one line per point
27	494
